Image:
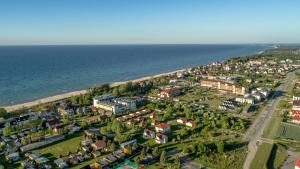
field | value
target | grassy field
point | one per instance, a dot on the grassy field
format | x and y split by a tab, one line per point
272	128
262	156
62	148
289	131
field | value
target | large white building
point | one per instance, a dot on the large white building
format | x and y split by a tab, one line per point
114	104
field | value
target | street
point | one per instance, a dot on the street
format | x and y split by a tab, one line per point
255	132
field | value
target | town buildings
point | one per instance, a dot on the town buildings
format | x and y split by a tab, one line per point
169	92
114	104
163	128
224	86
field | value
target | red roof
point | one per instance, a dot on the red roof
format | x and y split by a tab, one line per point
173	90
149	132
161	136
99	144
297	118
298	162
296	103
163	125
294	112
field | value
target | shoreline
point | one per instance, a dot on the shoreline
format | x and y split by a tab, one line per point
66	95
62	96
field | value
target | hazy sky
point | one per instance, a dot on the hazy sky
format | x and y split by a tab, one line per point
149	21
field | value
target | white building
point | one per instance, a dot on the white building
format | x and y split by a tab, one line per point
114	104
296	97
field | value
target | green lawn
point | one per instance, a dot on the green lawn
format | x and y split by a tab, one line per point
262	156
271	130
63	147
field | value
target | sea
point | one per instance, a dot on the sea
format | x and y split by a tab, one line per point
29	73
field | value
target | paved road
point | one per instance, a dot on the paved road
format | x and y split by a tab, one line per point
255	132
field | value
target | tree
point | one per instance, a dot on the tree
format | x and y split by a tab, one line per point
7	130
224	122
137	159
220	146
129	150
116	91
155	152
84	124
163	157
112	147
177	161
143	153
3	113
202	148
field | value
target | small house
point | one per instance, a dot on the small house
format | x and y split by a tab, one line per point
163	128
98	145
148	134
161	138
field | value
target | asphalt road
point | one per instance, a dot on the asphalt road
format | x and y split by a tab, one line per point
255	132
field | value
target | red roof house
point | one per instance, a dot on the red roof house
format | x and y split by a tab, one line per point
98	145
163	128
297	164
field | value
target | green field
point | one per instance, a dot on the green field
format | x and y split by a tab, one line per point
289	131
271	130
262	156
62	148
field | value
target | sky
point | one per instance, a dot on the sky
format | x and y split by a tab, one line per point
29	22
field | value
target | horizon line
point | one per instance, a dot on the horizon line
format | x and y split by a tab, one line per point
121	44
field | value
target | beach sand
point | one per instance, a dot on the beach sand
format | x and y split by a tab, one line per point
75	93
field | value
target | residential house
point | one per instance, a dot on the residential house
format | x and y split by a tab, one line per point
182	120
191	123
110	159
170	92
119	154
297	163
86	142
294	113
161	138
296	119
124	146
296	97
100	164
155	122
61	163
13	156
152	115
163	128
99	145
54	123
296	105
148	134
245	99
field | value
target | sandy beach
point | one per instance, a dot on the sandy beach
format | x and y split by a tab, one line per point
75	93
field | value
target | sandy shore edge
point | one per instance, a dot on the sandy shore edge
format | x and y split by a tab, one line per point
75	93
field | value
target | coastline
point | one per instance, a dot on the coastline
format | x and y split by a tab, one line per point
62	96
